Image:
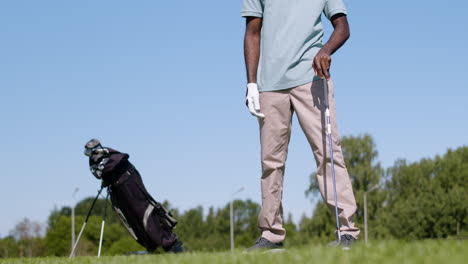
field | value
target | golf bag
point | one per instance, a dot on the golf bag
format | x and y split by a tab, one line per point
148	222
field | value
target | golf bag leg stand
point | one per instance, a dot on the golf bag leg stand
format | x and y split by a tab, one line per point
103	223
84	224
330	146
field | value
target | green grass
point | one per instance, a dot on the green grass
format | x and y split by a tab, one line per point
431	251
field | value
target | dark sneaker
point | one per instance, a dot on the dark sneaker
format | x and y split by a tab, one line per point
345	241
263	243
176	247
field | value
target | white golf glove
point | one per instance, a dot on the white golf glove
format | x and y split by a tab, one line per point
253	100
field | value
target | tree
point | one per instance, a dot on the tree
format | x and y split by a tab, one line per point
58	237
427	198
82	208
8	247
245	222
212	233
27	235
291	230
452	177
124	245
190	227
320	227
406	215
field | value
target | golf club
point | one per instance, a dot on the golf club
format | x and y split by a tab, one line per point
330	146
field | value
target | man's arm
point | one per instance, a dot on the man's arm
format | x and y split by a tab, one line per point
322	60
252	47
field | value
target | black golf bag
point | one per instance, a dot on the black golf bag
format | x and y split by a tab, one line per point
149	223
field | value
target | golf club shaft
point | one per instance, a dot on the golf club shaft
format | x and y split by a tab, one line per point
330	146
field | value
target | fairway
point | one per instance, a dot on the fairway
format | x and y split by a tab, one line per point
434	251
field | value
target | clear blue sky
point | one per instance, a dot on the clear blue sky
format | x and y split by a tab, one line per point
164	81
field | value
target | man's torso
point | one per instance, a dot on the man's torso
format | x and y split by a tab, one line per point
291	36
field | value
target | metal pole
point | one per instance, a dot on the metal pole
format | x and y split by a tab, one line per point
73	219
231	214
72	225
365	211
365	218
232	225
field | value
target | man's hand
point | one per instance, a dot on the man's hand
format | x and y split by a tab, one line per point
253	100
322	63
322	60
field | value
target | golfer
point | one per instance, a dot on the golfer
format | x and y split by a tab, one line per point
287	66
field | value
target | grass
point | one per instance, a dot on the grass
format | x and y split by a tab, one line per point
431	251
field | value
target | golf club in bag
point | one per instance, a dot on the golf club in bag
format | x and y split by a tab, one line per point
147	221
330	146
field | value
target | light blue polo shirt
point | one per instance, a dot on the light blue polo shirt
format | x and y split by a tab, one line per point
291	36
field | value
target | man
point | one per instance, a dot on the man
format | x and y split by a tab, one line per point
287	67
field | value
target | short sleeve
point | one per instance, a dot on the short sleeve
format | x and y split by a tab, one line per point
333	7
252	8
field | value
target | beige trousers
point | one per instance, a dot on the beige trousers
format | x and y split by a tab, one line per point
275	130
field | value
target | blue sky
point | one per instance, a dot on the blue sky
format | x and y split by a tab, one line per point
165	82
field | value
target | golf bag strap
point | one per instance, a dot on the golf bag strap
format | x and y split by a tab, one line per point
154	205
160	209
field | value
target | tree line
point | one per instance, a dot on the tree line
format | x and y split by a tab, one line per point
419	200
